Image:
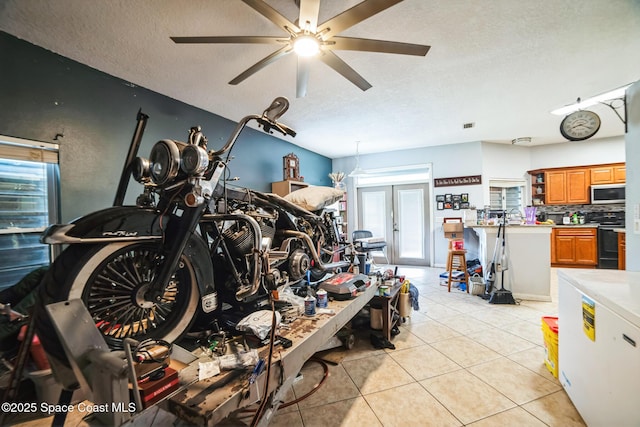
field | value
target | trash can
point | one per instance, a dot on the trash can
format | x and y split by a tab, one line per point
375	312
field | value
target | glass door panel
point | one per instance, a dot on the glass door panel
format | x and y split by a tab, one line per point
410	225
399	214
374	209
409	210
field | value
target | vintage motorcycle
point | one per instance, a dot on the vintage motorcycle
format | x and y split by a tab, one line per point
190	246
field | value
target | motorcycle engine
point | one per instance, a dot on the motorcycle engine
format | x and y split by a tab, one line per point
239	238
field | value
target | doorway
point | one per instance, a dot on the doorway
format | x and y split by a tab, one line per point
400	214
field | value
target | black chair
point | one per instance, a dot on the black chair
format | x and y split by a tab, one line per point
362	245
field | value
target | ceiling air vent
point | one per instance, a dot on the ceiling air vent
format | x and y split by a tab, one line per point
468	125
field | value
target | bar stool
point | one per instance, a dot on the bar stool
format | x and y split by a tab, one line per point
457	261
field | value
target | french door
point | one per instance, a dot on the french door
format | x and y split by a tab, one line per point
400	214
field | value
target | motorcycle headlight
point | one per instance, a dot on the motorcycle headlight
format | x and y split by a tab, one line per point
141	170
194	160
165	161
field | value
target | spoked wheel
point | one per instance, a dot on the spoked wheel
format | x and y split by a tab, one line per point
112	281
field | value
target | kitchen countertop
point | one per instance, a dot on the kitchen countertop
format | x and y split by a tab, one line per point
619	230
509	225
591	225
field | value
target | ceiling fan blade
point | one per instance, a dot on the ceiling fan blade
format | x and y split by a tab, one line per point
232	39
261	64
351	17
272	15
368	45
309	11
304	66
347	72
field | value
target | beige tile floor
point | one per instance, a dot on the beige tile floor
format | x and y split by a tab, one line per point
458	361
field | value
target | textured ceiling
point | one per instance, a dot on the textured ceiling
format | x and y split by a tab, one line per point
501	64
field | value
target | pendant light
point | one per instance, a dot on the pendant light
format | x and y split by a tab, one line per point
357	171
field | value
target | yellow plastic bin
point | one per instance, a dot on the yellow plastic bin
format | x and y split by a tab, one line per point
550	334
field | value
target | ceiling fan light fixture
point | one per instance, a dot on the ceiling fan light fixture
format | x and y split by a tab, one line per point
306	45
521	140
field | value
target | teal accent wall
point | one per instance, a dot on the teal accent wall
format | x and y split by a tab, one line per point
43	94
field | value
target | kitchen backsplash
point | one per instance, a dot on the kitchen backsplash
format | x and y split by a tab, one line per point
556	212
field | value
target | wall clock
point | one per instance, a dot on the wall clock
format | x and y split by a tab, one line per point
580	125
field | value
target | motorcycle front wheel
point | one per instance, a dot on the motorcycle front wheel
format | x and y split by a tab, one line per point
111	280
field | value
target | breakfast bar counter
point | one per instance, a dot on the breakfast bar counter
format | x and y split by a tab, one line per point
528	251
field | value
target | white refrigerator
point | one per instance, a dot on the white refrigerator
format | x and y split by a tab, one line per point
599	344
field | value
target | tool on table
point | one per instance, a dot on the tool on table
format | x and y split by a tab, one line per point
257	370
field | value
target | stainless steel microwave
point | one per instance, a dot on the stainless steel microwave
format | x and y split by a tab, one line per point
607	193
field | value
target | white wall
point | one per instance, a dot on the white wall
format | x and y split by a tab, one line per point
632	144
579	153
447	160
502	161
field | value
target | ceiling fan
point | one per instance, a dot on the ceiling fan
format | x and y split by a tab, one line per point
308	39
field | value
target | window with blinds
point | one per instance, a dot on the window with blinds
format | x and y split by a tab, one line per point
507	196
29	179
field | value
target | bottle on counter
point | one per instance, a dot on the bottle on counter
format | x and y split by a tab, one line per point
574	218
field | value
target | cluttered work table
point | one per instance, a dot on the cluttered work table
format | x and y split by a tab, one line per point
207	402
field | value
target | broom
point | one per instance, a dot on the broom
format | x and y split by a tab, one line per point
491	273
502	295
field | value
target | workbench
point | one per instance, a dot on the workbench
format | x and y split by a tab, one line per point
208	402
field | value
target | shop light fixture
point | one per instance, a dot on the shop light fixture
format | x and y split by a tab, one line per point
358	171
589	102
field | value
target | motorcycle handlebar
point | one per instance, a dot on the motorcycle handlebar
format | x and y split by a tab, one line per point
268	121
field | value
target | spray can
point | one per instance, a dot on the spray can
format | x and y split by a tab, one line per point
309	306
322	298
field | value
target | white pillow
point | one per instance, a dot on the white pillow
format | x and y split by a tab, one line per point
314	198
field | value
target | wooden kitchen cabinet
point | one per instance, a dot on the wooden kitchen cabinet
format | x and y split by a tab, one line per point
556	187
568	186
574	247
578	182
538	188
608	174
619	174
622	251
572	185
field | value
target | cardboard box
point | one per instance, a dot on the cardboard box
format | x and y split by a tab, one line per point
453	230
